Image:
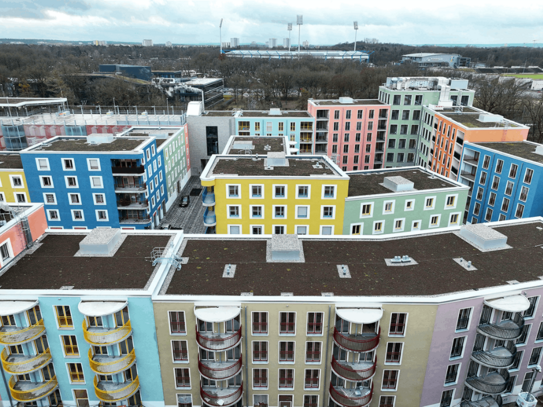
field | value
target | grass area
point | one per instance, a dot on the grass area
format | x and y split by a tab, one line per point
525	75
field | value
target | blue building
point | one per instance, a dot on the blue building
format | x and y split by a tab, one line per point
98	181
504	180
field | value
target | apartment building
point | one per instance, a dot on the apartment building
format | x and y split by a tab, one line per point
408	96
354	131
504	180
98	181
402	200
13	187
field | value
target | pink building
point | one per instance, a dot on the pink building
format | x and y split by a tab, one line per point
352	132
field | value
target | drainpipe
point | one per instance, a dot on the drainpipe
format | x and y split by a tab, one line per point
7	387
326	357
246	364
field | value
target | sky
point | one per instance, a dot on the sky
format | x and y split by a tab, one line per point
325	22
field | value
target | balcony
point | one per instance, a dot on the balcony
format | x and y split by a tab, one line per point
218	342
208	198
507	330
306	140
98	336
26	392
209	218
484	402
131	204
140	169
113	392
354	371
320	139
11	335
215	396
357	343
133	219
500	357
351	397
130	186
219	370
107	365
492	383
20	364
468	175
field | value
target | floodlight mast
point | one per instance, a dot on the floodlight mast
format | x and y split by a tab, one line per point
300	22
355	31
220	35
289	28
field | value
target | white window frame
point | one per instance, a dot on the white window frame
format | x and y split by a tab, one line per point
333	212
394	229
78	197
257	226
303	226
3	197
175	378
429	208
279	323
251	216
457	375
412	205
102	220
286	362
49	215
267	381
413	224
373	232
10	251
73	215
251	191
283	226
64	164
101	182
401	353
12	177
20	193
89	164
280	185
296	207
45	198
230	231
280	217
228	196
228	211
371	209
76	181
320	381
47	186
361	224
455	196
393	202
397	380
179	340
38	164
459	218
326	226
327	197
308	191
430	226
153	150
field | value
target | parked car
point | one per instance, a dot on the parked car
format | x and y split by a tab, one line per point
185	200
166	226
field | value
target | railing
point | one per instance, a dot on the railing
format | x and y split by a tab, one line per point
349	373
484	385
128	202
219	373
117	391
354	344
128	170
26	365
351	401
104	336
135	219
218	343
133	185
209	218
208	198
490	359
14	335
32	393
507	330
484	402
221	401
114	366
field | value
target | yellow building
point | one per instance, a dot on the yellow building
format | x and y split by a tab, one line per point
13	186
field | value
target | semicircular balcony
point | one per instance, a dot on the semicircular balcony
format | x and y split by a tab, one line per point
26	392
354	371
213	370
484	402
357	397
208	198
113	392
511	303
102	335
13	335
209	218
492	383
215	341
107	365
507	330
20	364
357	343
497	358
221	397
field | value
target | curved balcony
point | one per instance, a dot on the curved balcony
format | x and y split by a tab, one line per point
12	335
26	392
354	371
507	330
98	336
219	370
501	357
113	392
20	364
208	198
107	365
218	342
350	398
484	402
357	343
492	383
215	396
209	218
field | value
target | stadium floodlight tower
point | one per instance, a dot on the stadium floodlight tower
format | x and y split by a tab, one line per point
300	22
289	28
220	36
355	31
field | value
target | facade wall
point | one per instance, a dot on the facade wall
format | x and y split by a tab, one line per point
9	190
176	166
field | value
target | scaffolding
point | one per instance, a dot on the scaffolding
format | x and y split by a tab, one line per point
157	256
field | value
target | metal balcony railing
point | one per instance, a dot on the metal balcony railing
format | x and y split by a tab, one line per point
12	335
354	371
26	392
107	365
348	398
507	330
218	342
357	343
208	198
138	203
128	170
129	218
20	364
492	383
209	218
484	402
221	397
104	336
131	185
219	370
500	357
113	392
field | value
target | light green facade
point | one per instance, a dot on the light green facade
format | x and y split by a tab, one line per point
426	139
176	163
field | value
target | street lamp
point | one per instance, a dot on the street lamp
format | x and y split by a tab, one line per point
300	22
289	28
220	36
355	31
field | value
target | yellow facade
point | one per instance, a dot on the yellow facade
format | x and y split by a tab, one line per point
9	186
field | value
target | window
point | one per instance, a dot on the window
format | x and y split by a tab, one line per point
313	352
366	210
183	400
286	351
520	211
396	100
234	211
492	199
528	175
529	313
302	212
524	193
182	378
74	199
256	191
463	319
476	208
486	162
505	205
314	323
233	191
177	322
42	164
46	182
96	182
311	379
457	347
394	352
405	115
429	203
256	230
76	373
482	180
93	164
279	211
68	164
377	227
398	225
387	401
64	316
260	351
279	230
495	183
513	171
71	182
446	398
280	191
534	357
328	212
256	211
329	191
388	207
310	401
451	201
16	181
452	374
453	220
286	378
99	199
390	379
180	351
77	215
69	343
398	322
539	336
260	378
509	188
101	216
287	324
20	198
356	229
50	199
303	191
499	166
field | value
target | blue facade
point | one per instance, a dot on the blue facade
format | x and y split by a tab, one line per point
504	186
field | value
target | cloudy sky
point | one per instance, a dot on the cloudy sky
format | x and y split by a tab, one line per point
325	22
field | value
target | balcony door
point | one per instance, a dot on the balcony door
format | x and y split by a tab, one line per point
81	398
285	401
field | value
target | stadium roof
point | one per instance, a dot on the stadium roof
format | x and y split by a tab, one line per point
322	54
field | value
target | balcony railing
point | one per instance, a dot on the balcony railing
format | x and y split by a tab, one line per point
467	175
107	365
103	336
484	402
349	398
221	397
354	371
134	219
113	392
500	357
218	342
357	343
507	330
209	218
11	335
128	203
26	392
208	198
128	170
492	383
219	370
139	186
19	364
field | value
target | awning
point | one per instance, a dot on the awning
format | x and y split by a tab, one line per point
15	307
360	315
513	303
100	308
217	314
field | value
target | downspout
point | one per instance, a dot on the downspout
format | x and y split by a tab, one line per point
7	387
246	364
326	357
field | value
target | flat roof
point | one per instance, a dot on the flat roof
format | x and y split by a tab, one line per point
80	144
20	102
262	145
471	120
356	102
11	161
284	113
436	272
249	166
230	113
519	149
369	183
53	265
203	81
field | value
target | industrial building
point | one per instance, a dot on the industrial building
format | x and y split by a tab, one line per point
428	60
359	56
132	71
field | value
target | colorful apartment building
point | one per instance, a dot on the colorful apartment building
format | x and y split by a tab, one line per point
402	200
13	187
504	180
352	132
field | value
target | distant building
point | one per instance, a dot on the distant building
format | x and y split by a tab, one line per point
426	60
213	90
147	43
168	43
234	42
359	56
305	44
286	42
100	43
132	71
272	43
